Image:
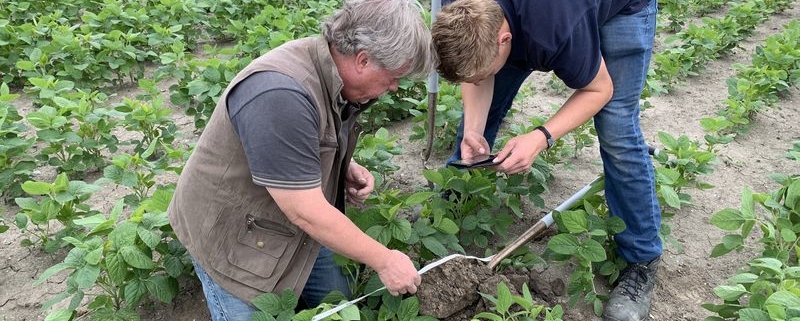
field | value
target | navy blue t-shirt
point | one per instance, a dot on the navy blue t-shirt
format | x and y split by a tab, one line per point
561	36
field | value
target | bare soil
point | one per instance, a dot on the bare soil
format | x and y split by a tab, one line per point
687	274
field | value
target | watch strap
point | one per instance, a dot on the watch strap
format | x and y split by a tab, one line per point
547	136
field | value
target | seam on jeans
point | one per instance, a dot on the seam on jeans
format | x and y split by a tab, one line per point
219	308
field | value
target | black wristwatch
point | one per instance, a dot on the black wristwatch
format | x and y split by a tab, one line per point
550	140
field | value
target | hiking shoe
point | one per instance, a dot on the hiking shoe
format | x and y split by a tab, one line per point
630	300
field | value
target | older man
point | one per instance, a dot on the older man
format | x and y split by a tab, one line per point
260	203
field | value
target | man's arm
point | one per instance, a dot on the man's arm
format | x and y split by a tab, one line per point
518	154
309	210
477	100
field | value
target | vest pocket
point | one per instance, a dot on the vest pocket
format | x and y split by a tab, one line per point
261	245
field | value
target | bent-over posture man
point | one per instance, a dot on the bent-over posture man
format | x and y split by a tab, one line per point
602	49
260	202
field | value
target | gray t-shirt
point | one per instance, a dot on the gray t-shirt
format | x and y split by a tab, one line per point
279	129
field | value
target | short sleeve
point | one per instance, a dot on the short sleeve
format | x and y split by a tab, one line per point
278	127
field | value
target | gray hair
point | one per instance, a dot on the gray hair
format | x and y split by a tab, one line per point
392	32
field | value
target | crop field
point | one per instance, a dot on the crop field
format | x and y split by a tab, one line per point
102	101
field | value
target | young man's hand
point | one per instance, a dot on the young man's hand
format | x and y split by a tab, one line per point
518	154
473	144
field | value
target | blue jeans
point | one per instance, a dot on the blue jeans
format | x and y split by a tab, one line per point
325	277
626	44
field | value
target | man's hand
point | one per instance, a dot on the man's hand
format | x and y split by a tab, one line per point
398	274
473	145
520	152
359	183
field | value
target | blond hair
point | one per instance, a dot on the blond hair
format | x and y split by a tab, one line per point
465	38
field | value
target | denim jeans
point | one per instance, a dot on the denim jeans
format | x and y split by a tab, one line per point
626	44
325	277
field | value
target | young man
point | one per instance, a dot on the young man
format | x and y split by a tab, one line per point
602	49
260	202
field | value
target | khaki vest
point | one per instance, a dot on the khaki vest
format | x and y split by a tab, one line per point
232	227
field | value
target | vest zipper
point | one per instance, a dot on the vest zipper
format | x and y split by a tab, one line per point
249	222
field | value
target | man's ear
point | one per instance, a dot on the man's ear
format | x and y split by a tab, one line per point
504	38
361	61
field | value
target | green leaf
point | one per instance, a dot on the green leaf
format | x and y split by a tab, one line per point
564	244
148	237
86	276
514	203
447	226
168	58
262	316
401	229
59	315
124	234
289	300
409	309
27	203
743	278
162	287
349	313
158	202
64	103
766	263
434	177
503	298
135	258
74	242
788	235
173	266
615	225
37	188
212	75
378	233
134	291
268	302
784	299
94	256
154	221
25	65
793	190
575	221
52	271
732	241
747	206
730	292
489	316
114	173
720	250
90	221
418	198
61	183
728	219
670	196
102	227
433	245
750	314
82	188
197	87
592	250
117	270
